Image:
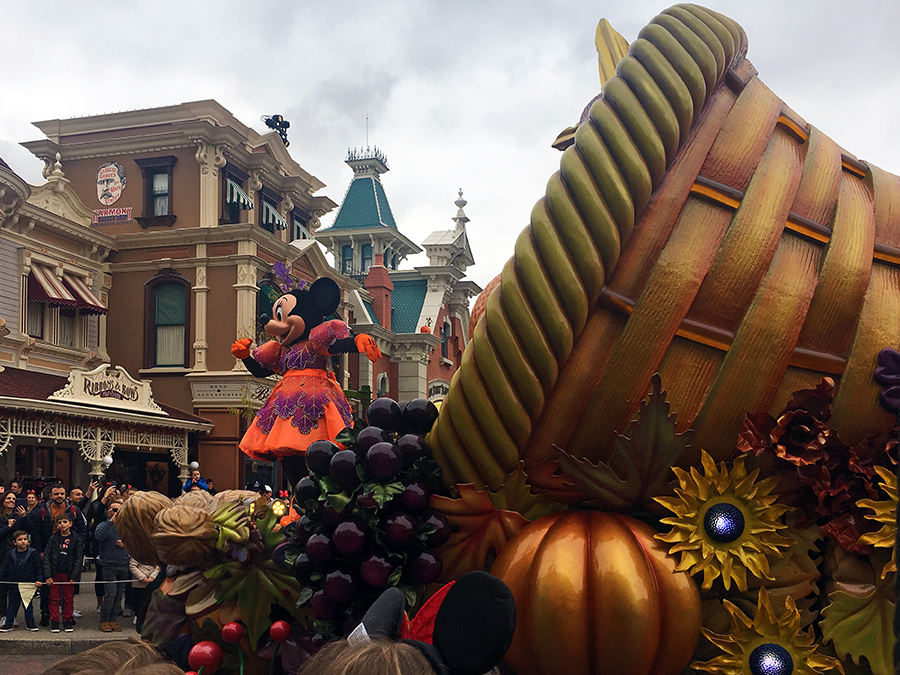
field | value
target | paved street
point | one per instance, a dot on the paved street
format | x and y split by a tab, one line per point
25	652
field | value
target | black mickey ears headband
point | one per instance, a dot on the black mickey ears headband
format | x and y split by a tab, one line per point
465	629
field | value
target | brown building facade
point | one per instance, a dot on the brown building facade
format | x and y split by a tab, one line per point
200	208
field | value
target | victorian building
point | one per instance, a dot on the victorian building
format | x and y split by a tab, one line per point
195	209
63	408
419	317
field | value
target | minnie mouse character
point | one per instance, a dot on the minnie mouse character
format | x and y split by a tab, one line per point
307	405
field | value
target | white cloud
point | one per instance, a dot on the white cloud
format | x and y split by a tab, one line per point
463	94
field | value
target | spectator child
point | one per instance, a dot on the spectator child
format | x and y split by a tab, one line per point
21	565
142	575
63	559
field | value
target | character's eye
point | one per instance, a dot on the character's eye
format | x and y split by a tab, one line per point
278	312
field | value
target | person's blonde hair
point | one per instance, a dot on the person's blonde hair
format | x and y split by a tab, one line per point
365	657
121	657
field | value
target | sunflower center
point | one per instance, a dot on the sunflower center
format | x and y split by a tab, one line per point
771	659
724	522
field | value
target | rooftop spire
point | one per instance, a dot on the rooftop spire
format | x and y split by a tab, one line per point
367	161
461	219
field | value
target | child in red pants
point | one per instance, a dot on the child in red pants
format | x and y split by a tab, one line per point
63	559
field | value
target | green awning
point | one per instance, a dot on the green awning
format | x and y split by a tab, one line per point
235	195
271	217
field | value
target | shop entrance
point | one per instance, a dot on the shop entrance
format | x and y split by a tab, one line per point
145	471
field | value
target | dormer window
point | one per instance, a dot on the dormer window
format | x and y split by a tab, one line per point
157	175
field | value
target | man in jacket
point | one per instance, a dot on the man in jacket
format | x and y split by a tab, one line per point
114	559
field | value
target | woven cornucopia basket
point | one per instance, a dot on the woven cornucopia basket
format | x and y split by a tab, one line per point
700	228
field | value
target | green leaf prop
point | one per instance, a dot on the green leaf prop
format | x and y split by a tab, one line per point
164	620
861	625
255	588
640	467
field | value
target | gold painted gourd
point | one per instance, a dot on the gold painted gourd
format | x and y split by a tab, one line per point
596	593
698	228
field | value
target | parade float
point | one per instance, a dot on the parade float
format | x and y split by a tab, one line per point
673	431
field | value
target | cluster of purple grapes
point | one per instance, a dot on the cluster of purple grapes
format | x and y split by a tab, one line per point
366	522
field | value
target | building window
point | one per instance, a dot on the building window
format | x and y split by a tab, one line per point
437	389
347	259
300	224
446	334
68	327
157	175
159	196
269	217
366	257
166	312
383	387
299	231
234	199
34	323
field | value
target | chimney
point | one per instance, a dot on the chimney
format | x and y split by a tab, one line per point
380	287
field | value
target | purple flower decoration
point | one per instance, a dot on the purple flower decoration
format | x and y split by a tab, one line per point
284	279
887	374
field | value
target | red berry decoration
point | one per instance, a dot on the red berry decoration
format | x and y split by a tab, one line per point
232	632
206	655
280	631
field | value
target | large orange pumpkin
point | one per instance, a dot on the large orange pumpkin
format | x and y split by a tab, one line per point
596	593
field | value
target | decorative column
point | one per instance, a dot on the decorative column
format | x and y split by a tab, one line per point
201	291
102	327
210	159
412	371
366	372
246	290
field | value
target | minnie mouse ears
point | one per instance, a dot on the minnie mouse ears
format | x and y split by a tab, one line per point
464	629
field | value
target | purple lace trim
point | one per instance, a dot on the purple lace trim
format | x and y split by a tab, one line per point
304	407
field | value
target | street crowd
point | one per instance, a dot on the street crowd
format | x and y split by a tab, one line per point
47	539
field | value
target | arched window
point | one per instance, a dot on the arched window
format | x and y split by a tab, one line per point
366	257
383	387
166	325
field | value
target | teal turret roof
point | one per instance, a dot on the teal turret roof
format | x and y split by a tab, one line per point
406	304
365	206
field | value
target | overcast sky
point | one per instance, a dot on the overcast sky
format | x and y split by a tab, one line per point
458	94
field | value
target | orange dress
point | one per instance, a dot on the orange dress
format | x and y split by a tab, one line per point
307	405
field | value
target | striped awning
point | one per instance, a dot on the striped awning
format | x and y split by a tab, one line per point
270	216
88	301
45	286
235	195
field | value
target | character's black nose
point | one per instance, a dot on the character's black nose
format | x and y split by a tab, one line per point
263	319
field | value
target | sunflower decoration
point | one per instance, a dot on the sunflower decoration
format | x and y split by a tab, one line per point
725	523
885	512
766	645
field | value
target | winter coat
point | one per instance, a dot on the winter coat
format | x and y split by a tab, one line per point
68	562
139	572
39	524
110	554
32	571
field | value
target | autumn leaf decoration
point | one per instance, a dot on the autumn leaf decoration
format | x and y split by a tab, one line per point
481	530
639	468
